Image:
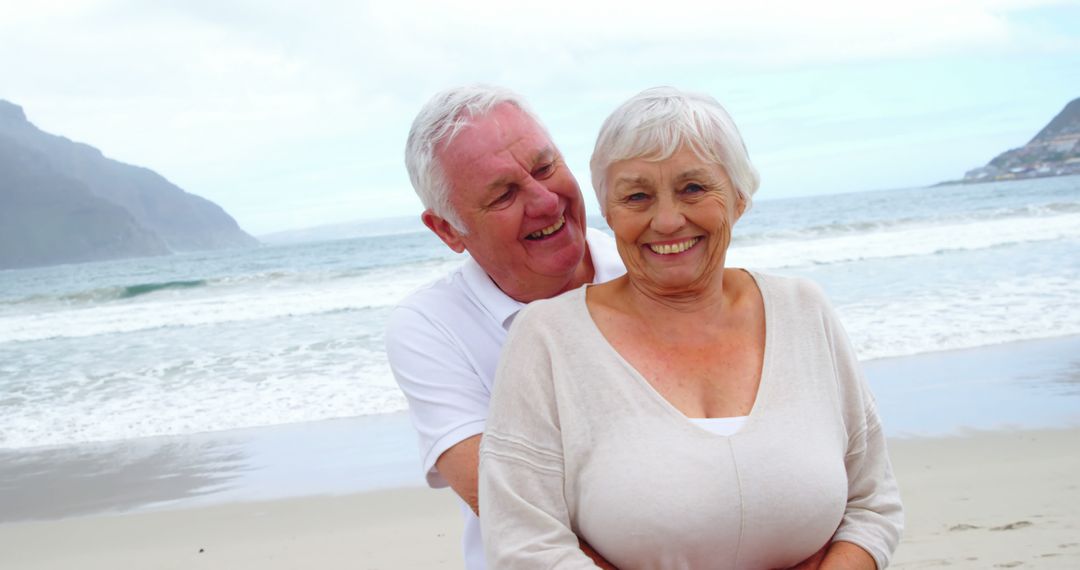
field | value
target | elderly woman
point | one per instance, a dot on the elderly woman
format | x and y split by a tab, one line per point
686	415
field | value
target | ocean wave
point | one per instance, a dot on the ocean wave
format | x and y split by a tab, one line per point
859	227
367	290
181	381
157	403
978	314
147	288
287	370
115	293
905	242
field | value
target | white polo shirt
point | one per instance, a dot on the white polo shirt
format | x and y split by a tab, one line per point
443	343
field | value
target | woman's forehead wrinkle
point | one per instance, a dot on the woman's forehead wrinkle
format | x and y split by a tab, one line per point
633	181
694	173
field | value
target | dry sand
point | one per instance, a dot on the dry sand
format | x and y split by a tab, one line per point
407	529
989	500
992	500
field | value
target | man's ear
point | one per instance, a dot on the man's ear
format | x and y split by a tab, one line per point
442	228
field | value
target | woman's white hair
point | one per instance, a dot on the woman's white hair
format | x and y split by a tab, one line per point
656	123
438	122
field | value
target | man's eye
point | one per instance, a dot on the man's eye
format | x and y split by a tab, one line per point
503	199
543	171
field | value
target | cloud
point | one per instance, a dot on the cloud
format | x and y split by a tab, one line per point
204	91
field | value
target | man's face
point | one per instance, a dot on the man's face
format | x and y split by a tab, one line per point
521	207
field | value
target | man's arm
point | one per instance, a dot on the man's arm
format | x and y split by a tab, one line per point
460	466
448	400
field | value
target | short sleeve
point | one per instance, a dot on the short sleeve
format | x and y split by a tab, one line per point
448	401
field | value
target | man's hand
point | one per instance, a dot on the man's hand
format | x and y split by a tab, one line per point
814	562
847	556
460	466
838	556
596	558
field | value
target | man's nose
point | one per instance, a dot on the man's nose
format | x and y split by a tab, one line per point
668	217
540	201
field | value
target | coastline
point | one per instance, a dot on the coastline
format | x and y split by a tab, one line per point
986	500
981	440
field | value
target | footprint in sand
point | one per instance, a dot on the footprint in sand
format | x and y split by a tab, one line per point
1069	545
1012	526
962	526
1012	564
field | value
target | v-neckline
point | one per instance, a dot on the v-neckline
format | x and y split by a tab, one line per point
653	393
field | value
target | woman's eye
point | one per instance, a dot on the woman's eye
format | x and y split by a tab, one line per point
693	188
637	197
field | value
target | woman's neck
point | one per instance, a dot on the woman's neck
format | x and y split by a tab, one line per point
709	299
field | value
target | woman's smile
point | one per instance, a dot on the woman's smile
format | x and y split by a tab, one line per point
673	247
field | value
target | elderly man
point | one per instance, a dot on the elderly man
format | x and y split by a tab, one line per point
493	184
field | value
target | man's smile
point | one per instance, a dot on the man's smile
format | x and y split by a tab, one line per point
545	232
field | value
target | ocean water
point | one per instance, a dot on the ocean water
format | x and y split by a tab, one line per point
293	333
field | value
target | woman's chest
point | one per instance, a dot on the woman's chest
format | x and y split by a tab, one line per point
700	380
651	492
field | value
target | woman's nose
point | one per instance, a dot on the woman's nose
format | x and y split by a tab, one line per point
668	217
540	201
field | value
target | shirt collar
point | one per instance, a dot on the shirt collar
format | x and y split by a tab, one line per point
502	308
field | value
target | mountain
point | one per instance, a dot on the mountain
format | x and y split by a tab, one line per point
64	202
1055	151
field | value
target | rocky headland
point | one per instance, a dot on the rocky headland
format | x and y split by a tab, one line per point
64	202
1055	151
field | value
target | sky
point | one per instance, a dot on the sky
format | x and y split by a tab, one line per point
295	114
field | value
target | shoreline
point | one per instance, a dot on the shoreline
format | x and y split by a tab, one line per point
990	499
1026	385
982	442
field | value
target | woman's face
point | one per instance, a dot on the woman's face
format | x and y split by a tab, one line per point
672	221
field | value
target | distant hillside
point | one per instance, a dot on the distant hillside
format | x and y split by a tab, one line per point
1055	151
348	230
64	202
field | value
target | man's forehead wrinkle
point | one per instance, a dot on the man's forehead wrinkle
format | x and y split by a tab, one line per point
531	160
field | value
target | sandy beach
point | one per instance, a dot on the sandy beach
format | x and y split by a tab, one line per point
987	463
988	500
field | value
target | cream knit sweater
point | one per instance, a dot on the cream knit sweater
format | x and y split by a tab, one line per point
579	444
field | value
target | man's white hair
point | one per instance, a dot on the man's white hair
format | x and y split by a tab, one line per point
438	122
656	123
